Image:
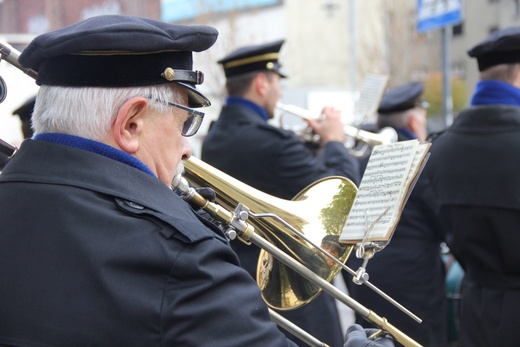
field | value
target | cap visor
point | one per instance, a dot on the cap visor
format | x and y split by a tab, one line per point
195	98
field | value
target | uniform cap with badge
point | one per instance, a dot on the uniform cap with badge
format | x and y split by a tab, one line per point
120	51
247	59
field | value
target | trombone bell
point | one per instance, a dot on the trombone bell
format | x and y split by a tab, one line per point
319	212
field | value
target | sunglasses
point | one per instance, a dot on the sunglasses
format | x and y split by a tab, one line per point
193	118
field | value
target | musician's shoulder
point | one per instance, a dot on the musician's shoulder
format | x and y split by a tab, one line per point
273	130
435	135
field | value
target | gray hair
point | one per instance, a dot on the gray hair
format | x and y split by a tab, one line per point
89	112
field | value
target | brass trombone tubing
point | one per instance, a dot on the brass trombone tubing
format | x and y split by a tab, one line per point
247	233
368	314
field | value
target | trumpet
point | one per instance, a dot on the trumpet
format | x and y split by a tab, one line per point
364	139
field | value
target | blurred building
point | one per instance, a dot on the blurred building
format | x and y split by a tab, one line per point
40	16
331	45
481	18
22	20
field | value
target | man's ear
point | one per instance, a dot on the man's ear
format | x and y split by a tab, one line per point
261	84
413	122
129	124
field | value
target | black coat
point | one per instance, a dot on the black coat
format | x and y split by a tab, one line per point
410	270
278	163
474	170
94	252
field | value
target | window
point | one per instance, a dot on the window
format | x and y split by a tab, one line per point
458	29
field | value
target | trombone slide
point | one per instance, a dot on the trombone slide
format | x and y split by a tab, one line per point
11	55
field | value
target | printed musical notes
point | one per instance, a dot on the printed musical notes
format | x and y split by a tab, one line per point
387	182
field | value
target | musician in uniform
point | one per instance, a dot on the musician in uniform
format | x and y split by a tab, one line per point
110	255
474	172
410	268
244	145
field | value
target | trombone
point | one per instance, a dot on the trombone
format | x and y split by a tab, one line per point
292	268
365	140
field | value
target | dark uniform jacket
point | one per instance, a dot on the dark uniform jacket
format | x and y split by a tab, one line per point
474	170
94	252
410	270
275	161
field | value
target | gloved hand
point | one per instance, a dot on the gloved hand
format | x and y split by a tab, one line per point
356	336
207	193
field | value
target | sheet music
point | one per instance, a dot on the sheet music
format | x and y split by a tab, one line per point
415	171
389	170
370	95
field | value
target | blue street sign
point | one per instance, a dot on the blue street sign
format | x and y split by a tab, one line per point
434	14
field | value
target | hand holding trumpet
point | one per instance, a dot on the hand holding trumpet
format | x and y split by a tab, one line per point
329	126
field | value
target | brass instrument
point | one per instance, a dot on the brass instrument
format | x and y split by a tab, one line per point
291	231
11	55
320	210
363	140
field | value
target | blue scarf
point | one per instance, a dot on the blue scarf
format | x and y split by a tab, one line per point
491	92
260	111
94	147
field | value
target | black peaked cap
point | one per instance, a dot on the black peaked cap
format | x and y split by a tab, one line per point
247	59
120	51
401	98
501	47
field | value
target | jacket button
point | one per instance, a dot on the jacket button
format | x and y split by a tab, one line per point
134	205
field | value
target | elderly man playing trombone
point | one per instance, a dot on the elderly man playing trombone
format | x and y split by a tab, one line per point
97	250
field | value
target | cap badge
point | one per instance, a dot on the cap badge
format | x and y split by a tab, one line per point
168	74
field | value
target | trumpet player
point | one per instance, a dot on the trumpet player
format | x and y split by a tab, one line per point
242	144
